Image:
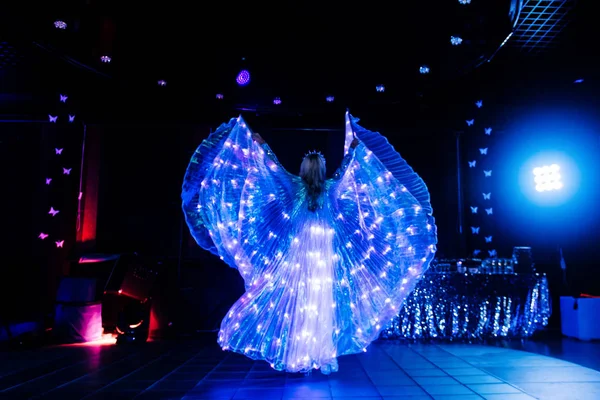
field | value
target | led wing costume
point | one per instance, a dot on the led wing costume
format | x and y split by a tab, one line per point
319	284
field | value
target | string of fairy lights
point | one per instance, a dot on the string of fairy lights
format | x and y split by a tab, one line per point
243	77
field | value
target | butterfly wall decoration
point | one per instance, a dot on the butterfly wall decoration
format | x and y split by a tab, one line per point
58	151
71	118
48	181
489	211
479	103
488	131
67	171
472	164
43	236
487	196
52	118
60	244
63	98
470	122
488	239
473	210
53	212
475	230
487	173
483	151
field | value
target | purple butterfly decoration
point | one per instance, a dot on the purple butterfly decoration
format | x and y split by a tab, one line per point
52	118
67	171
60	244
43	236
58	151
63	98
53	211
48	180
71	118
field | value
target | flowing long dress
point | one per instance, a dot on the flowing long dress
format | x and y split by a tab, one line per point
319	284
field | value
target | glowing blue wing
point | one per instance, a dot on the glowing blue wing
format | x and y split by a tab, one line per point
198	169
385	236
234	193
391	160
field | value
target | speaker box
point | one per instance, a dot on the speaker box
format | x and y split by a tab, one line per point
96	266
133	277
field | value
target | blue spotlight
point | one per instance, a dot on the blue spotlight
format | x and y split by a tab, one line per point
547	178
561	134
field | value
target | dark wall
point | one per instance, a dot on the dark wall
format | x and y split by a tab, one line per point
21	278
31	265
139	209
141	172
143	168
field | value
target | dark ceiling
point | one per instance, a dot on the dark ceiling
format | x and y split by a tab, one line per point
297	52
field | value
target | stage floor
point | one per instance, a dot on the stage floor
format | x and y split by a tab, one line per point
193	369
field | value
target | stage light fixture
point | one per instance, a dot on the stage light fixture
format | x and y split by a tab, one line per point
424	69
380	88
455	40
133	325
547	178
277	101
330	99
243	78
105	59
162	83
60	24
219	96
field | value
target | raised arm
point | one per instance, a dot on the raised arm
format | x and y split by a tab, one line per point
346	161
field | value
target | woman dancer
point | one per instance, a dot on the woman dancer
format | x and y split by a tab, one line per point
326	263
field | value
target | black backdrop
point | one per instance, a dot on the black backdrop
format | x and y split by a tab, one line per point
143	168
22	274
31	265
140	210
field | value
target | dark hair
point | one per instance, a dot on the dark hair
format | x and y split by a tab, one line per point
312	172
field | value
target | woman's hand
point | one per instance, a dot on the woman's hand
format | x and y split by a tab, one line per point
354	143
257	138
